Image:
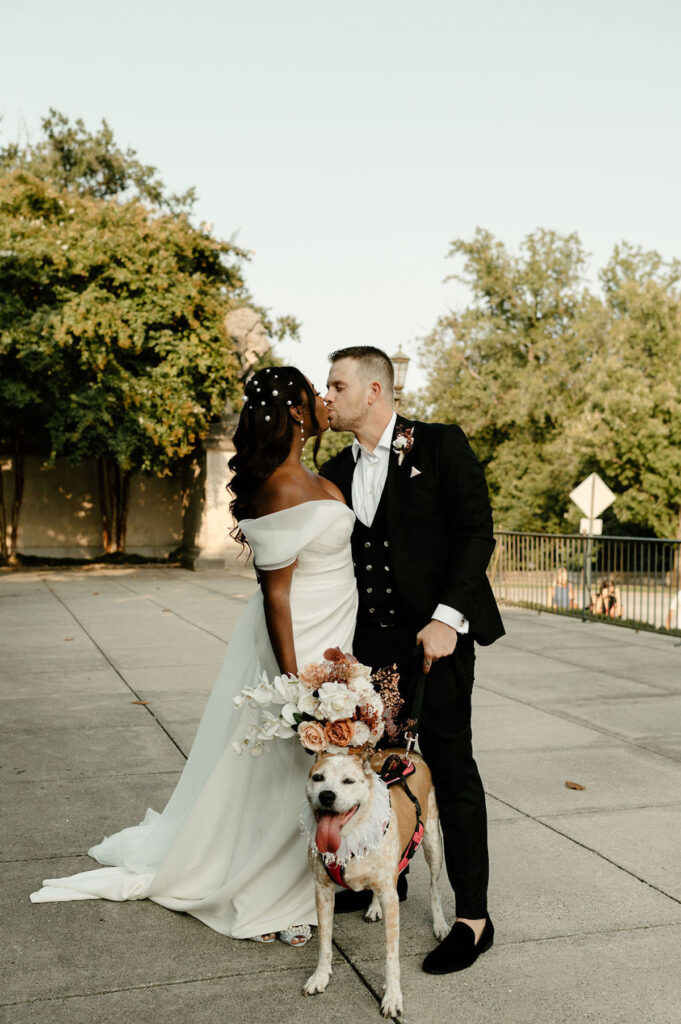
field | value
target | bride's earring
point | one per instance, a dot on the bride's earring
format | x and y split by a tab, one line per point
302	431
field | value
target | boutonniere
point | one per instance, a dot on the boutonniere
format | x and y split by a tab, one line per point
402	442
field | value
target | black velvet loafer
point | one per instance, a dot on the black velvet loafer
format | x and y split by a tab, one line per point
459	950
347	900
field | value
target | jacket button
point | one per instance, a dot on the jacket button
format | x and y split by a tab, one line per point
371	611
386	543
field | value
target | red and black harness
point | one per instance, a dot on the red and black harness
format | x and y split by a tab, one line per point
395	770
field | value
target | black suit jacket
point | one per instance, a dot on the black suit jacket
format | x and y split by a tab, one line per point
439	526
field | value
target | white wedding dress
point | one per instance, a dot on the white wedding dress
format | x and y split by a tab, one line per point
227	847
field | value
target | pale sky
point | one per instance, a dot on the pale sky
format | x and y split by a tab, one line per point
349	143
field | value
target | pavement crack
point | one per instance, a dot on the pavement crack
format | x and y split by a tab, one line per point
109	661
590	849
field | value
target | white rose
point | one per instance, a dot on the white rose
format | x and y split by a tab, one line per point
336	701
360	734
359	671
377	732
373	702
362	687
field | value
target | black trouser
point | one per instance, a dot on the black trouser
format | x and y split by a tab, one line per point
446	743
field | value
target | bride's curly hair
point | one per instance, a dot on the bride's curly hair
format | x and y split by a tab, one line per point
265	432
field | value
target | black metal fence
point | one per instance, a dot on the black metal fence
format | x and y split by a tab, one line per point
622	580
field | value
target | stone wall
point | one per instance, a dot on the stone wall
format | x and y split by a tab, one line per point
60	511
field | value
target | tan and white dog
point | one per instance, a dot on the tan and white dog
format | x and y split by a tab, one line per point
355	821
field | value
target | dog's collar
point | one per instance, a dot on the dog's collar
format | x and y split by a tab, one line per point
357	839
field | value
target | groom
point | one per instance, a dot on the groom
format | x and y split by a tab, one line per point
421	544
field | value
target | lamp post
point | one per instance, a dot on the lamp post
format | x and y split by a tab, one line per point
400	363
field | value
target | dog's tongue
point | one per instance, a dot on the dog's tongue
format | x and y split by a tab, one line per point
328	830
328	833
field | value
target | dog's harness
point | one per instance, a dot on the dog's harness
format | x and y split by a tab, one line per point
395	770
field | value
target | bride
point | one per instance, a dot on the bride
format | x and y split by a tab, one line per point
227	848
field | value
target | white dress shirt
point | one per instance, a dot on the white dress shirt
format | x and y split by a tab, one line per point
368	481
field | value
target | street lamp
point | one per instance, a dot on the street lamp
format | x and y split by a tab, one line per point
400	363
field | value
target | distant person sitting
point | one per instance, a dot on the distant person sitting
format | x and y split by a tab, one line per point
607	601
560	594
673	620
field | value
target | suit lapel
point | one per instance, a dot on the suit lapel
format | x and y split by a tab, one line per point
346	471
397	482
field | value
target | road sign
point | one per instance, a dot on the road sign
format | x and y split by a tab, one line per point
592	526
592	496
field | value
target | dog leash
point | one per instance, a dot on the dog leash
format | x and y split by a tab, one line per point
411	735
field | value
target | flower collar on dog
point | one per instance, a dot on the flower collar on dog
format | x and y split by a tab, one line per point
402	442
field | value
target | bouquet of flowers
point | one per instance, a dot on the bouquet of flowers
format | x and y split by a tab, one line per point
331	704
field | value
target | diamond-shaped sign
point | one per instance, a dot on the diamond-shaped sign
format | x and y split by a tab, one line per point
592	496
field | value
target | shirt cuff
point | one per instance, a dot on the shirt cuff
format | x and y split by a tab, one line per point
450	616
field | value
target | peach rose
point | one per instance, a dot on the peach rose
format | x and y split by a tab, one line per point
311	735
339	733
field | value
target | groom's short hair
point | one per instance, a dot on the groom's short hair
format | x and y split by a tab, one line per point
373	363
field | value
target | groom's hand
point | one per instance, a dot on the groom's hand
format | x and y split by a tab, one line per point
438	641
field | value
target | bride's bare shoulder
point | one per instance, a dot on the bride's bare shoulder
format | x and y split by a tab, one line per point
280	491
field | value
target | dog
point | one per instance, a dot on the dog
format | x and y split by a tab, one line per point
360	829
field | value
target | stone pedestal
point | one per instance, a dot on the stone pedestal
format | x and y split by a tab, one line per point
215	547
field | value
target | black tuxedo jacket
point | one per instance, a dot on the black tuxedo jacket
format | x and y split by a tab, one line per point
439	524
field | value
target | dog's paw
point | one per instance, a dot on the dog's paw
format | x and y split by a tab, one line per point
317	982
374	913
392	1003
441	929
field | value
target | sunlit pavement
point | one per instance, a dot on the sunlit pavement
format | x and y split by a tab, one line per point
586	884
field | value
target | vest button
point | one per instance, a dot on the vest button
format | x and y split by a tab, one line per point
387	568
371	611
392	611
386	543
388	590
370	590
367	543
369	566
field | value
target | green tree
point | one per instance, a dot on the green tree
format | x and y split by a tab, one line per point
552	382
112	321
629	430
503	368
112	315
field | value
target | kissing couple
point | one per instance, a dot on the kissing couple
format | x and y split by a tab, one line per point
386	548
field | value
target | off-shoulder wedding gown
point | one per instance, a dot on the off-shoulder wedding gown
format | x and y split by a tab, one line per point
227	848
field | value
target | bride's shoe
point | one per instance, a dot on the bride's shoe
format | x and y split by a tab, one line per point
296	935
266	938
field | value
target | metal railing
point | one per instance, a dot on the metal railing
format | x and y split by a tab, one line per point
628	581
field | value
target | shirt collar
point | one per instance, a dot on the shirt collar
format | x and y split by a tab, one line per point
384	441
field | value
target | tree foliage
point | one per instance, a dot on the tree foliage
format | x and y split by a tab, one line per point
552	381
113	343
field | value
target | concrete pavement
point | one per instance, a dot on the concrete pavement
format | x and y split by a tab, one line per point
586	885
